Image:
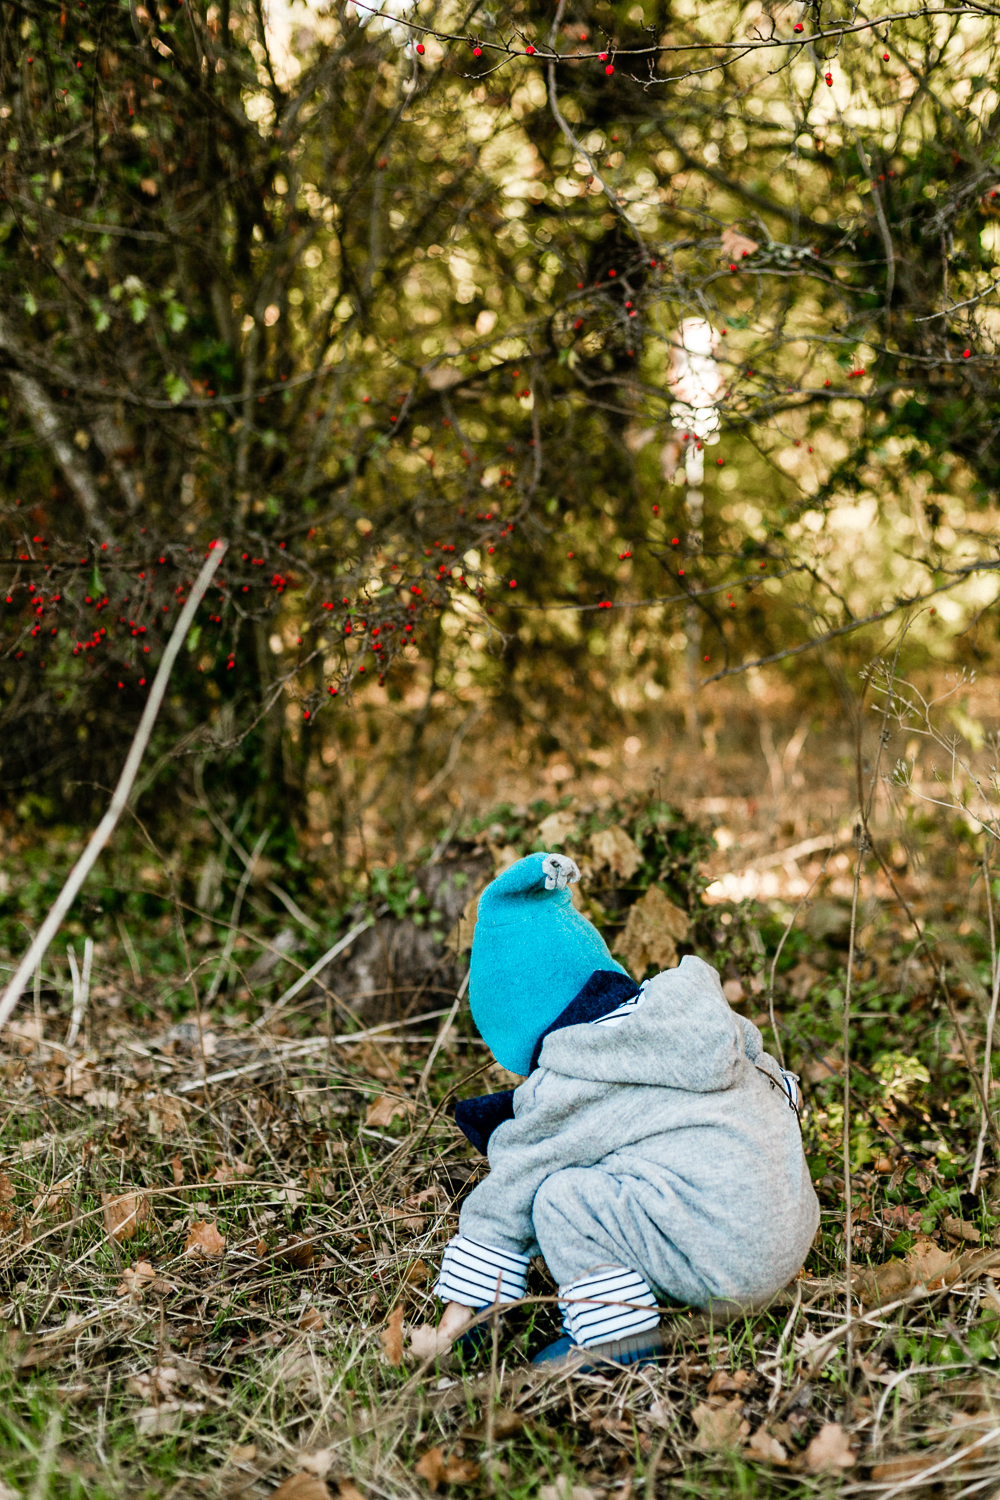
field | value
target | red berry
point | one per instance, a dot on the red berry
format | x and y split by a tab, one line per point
609	70
798	26
720	462
708	658
732	267
420	49
529	51
966	353
885	57
829	80
602	57
477	51
513	583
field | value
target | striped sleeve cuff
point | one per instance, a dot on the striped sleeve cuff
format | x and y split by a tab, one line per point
611	1303
470	1273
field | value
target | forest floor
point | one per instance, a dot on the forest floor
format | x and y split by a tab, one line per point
219	1227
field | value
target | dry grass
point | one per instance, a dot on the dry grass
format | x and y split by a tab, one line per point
212	1228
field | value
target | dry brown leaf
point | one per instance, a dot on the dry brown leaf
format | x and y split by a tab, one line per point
563	1490
165	1115
243	1453
829	1449
613	847
436	1470
296	1252
427	1343
80	1078
348	1490
558	828
931	1265
231	1172
319	1462
177	1167
416	1273
204	1239
141	1278
736	245
386	1108
764	1446
301	1486
723	1381
56	1200
894	1470
459	939
506	1424
169	1416
653	929
311	1320
720	1426
431	1468
7	1190
391	1337
960	1229
124	1214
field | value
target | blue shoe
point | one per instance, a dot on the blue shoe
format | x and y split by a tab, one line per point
641	1349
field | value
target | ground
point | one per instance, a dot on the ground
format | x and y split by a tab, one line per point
220	1224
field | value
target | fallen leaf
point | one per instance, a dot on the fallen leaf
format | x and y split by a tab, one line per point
348	1490
157	1421
231	1172
140	1278
177	1167
204	1239
80	1078
301	1486
558	828
960	1229
506	1424
7	1191
459	939
124	1214
894	1470
311	1320
613	847
319	1463
722	1380
829	1449
733	991
55	1200
930	1263
431	1468
436	1470
391	1337
653	929
762	1445
386	1108
416	1273
148	186
427	1343
295	1252
563	1490
720	1427
243	1453
101	1099
736	244
165	1115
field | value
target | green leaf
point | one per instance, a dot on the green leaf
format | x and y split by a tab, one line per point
101	319
176	387
139	308
176	317
96	583
30	305
194	636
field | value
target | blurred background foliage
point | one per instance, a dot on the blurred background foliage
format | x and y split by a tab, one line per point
402	325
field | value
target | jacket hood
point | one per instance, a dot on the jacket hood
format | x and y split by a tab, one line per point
683	1036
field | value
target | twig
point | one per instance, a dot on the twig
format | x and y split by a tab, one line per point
130	770
442	1033
990	1022
320	964
81	990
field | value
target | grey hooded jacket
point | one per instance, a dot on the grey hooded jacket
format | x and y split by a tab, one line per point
682	1104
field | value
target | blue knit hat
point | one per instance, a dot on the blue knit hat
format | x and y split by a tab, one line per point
532	952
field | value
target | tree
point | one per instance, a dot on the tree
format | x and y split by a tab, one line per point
403	325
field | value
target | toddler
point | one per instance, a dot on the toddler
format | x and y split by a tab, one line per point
653	1150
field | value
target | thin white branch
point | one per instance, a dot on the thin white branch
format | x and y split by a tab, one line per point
130	770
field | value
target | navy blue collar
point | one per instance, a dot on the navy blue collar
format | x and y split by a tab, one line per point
604	991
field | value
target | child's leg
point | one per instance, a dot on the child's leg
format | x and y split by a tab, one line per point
606	1254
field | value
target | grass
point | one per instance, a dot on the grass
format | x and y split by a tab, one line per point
236	1332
